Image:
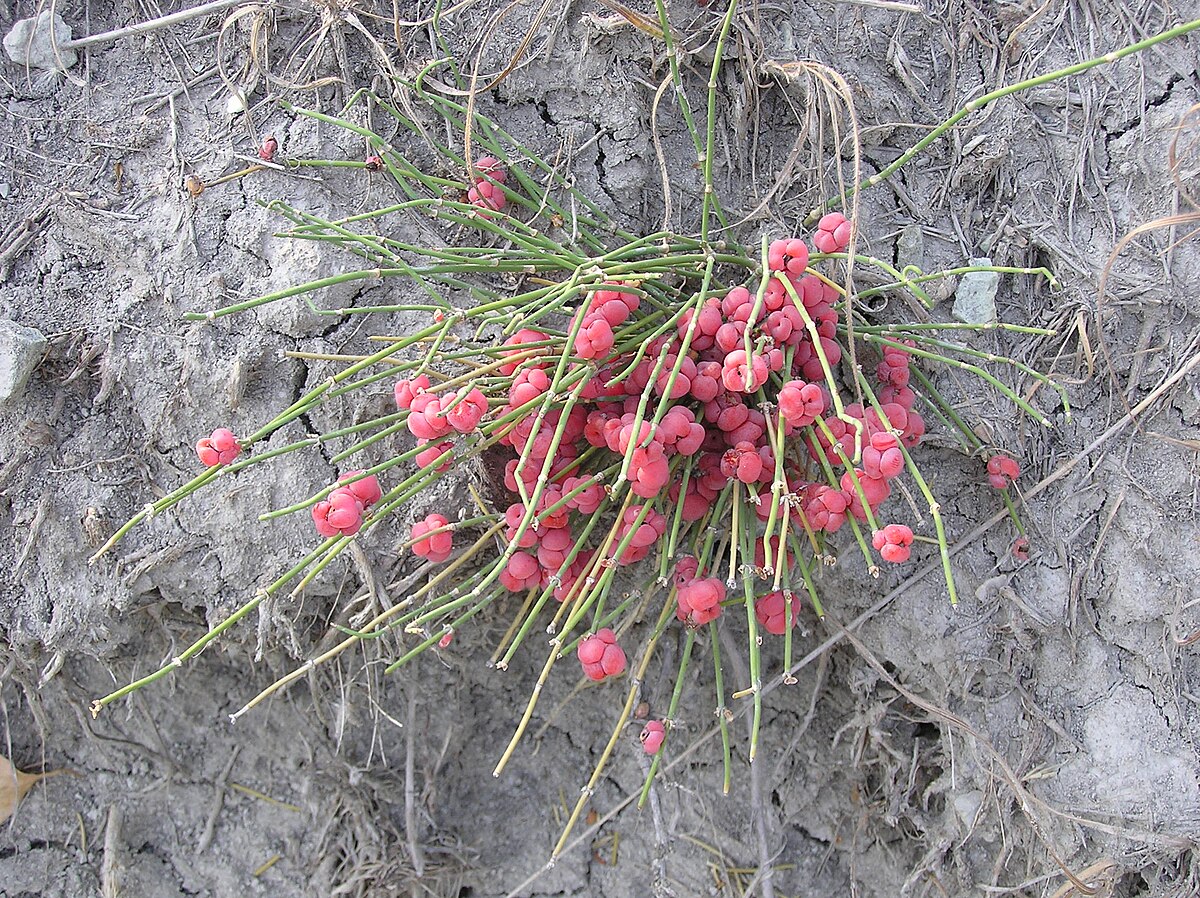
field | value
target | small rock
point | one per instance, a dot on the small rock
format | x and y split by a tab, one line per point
38	43
967	805
975	298
910	247
21	348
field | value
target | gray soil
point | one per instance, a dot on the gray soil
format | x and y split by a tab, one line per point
1045	724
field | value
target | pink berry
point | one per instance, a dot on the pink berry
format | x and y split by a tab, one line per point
436	548
521	573
425	418
801	403
914	430
741	374
469	408
339	515
742	462
516	344
266	152
699	601
1020	548
595	337
653	734
407	390
825	508
833	233
600	655
491	168
365	489
788	255
893	542
774	614
1002	471
373	162
440	454
220	448
882	458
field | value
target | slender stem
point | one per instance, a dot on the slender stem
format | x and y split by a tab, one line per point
980	102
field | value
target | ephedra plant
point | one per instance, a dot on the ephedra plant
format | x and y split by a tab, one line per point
720	419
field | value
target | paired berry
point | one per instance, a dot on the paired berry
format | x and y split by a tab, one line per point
801	404
775	612
365	489
833	233
893	543
339	515
600	655
220	448
486	192
699	600
468	410
1002	471
436	547
342	513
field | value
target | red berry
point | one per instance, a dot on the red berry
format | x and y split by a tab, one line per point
490	167
825	508
440	454
914	430
266	152
775	613
653	734
521	573
742	462
339	515
600	655
516	344
365	489
788	255
595	337
554	547
407	390
801	403
833	233
893	542
699	601
438	547
469	408
1002	471
742	374
220	448
882	458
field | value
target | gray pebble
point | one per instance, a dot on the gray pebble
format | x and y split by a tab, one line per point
975	298
38	43
21	348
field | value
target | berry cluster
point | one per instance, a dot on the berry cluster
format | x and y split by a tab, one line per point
737	398
486	191
342	513
738	375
